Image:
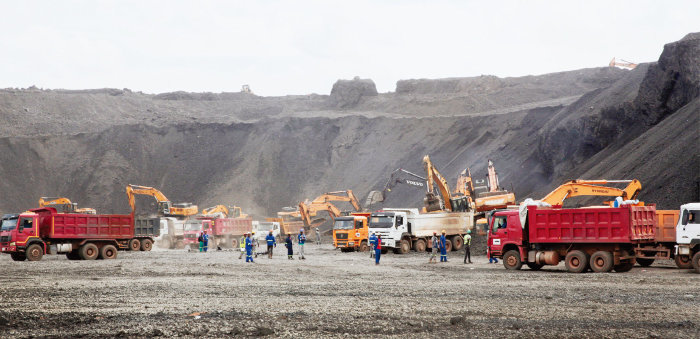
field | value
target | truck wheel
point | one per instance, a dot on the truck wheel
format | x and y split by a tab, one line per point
419	245
384	250
108	252
511	260
88	251
34	252
345	249
363	246
73	255
602	261
576	261
146	244
683	261
134	245
534	266
234	243
624	267
18	256
457	243
645	262
404	246
448	245
179	245
696	262
164	243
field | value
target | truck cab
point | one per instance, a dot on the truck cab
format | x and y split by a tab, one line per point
688	234
192	229
17	230
390	225
263	228
505	232
350	233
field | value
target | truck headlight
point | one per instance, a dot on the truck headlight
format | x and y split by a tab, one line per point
12	243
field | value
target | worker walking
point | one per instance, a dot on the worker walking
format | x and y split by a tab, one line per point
290	247
433	248
248	249
204	242
492	259
255	244
372	244
302	240
318	236
200	240
378	250
467	246
443	247
241	244
270	244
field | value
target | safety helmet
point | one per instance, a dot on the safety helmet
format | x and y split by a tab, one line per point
270	231
434	233
443	231
253	232
469	231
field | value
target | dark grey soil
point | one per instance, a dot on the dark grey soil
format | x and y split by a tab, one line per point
333	294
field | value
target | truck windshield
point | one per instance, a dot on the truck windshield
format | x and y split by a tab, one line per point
265	227
193	226
343	224
8	224
381	222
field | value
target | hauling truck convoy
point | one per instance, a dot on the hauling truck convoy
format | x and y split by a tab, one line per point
32	234
600	238
406	229
351	233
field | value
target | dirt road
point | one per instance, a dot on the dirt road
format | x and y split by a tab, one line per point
334	294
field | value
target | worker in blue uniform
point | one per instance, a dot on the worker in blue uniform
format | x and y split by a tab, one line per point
271	243
443	247
372	244
248	249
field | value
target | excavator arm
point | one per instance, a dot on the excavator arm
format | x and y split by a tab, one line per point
306	211
346	196
166	207
433	177
216	209
575	188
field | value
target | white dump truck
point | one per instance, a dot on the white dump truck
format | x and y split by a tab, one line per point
172	233
403	229
263	228
688	234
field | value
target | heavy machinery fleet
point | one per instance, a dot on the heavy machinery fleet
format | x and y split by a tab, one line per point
612	236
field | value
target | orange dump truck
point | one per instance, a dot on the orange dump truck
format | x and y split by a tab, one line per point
665	241
350	233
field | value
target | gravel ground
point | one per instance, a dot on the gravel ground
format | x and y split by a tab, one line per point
334	294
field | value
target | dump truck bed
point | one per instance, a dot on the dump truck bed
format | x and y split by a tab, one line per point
423	225
233	226
85	226
147	227
626	224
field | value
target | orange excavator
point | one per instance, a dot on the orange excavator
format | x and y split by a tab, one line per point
496	197
224	211
323	203
575	188
165	207
64	205
441	199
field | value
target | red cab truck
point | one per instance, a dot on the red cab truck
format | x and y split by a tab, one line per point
32	234
222	232
599	238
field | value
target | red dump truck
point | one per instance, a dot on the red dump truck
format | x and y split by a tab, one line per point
30	235
599	238
223	232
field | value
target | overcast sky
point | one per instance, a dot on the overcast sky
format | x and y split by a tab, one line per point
301	47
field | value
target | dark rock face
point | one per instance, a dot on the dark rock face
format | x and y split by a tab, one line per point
348	93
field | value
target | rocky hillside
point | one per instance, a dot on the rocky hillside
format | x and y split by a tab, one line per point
264	153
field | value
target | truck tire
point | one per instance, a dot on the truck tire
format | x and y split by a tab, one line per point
448	245
624	267
134	245
73	255
534	266
645	262
146	244
602	261
18	256
404	246
683	261
108	252
234	243
363	246
457	242
164	243
419	245
576	261
179	244
346	249
511	260
88	251
696	262
34	252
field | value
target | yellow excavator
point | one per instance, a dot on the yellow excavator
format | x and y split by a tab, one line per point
237	211
310	209
496	197
165	207
622	63
575	188
64	205
304	211
441	199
